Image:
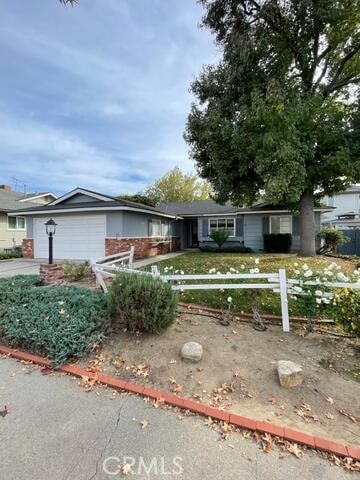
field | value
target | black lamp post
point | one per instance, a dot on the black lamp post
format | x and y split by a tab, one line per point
50	230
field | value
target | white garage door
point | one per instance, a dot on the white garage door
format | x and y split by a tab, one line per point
76	237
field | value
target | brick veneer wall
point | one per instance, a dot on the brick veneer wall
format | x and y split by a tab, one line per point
28	248
50	274
144	246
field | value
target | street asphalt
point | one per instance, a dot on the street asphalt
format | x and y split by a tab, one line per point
56	431
18	266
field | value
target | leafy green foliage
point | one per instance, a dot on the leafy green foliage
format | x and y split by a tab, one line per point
219	236
13	254
138	198
74	271
276	113
332	238
347	311
59	321
142	303
177	186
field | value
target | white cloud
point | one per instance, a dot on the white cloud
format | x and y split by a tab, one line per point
102	91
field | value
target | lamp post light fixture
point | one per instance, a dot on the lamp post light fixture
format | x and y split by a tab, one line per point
50	230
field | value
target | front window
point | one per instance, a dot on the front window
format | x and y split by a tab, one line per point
16	223
280	224
157	228
222	224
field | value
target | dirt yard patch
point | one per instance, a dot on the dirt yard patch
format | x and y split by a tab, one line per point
238	372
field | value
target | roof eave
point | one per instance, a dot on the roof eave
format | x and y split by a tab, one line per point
43	211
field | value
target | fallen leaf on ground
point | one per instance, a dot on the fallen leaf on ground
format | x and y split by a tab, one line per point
330	416
172	380
126	469
330	400
144	423
209	422
5	411
294	449
347	414
177	388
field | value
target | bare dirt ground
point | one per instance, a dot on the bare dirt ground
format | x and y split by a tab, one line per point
238	372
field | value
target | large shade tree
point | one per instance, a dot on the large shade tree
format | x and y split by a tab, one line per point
280	112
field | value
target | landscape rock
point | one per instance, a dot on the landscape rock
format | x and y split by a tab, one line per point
192	351
290	374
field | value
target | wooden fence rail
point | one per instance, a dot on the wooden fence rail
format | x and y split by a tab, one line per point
277	282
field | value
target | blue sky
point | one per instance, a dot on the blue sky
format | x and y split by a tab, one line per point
97	95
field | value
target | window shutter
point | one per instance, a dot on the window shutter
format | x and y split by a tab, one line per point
266	225
205	227
296	225
239	226
149	228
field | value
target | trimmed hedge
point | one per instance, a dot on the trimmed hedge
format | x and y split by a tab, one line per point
277	242
8	255
142	303
206	247
60	321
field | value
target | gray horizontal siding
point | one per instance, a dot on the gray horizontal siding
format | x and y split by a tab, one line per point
80	198
253	232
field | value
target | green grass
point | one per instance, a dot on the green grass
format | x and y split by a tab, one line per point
266	300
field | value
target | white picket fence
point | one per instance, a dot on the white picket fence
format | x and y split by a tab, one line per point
277	282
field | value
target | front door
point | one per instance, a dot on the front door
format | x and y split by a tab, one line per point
194	241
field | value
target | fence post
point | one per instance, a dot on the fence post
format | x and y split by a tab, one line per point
284	300
155	271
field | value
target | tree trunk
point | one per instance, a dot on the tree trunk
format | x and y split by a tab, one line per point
307	224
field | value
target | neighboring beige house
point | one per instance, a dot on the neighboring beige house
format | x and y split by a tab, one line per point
13	229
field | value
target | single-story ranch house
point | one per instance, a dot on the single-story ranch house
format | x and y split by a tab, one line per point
91	225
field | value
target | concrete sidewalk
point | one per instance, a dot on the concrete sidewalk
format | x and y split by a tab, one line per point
57	431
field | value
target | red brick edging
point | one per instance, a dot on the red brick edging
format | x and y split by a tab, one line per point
237	420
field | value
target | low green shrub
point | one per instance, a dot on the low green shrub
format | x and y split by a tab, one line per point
332	239
220	236
142	302
74	271
16	253
60	321
347	310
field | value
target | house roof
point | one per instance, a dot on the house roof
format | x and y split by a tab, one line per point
210	207
196	207
10	200
98	202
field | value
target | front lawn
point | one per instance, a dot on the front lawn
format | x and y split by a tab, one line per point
267	301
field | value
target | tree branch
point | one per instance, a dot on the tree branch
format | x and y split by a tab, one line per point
342	83
324	53
343	63
324	70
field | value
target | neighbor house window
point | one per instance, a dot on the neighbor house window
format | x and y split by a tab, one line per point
281	224
16	223
157	228
222	224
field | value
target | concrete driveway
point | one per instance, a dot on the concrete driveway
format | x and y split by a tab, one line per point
55	430
19	266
